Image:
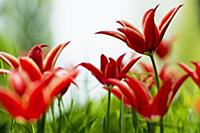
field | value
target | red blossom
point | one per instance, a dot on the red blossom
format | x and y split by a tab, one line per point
194	74
152	35
148	77
139	97
110	68
164	49
36	54
29	100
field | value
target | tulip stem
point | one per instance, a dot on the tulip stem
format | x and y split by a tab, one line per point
134	120
53	116
60	114
158	86
41	125
155	71
108	110
150	127
12	124
33	128
121	117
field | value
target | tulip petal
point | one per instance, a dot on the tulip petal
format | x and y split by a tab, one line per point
29	66
111	70
4	71
17	82
104	62
176	86
98	74
128	66
166	20
12	103
37	104
135	40
125	90
52	56
197	65
185	68
61	84
160	101
142	95
9	59
190	72
36	54
120	96
119	61
146	67
126	24
113	34
150	31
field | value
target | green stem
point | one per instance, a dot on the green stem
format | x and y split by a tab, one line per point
33	128
108	110
53	117
11	125
134	119
150	127
41	125
4	75
161	126
52	112
155	71
121	117
60	114
158	86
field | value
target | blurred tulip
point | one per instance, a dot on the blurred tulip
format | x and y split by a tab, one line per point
139	97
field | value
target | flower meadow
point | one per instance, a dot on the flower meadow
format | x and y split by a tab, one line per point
141	97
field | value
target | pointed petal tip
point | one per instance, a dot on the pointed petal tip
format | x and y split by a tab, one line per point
42	45
66	43
156	7
101	32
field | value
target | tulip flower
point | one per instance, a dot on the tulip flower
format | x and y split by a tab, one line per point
149	41
164	49
29	100
142	101
195	75
110	68
36	54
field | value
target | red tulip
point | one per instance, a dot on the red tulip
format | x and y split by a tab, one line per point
142	101
36	54
147	76
110	68
164	49
195	75
149	41
28	100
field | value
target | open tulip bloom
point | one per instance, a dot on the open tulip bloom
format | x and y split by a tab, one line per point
34	82
148	42
29	99
110	68
136	95
36	54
